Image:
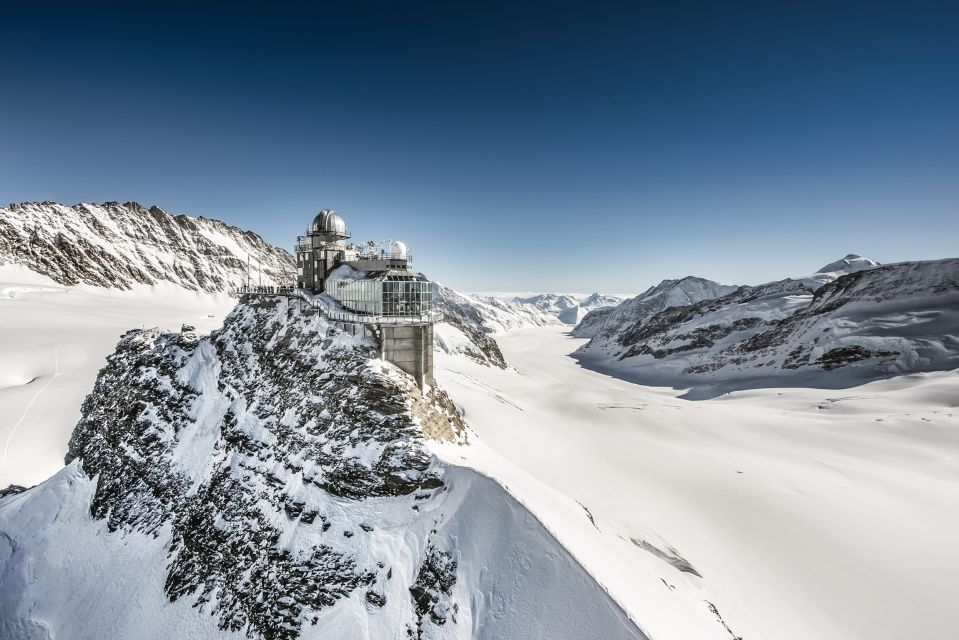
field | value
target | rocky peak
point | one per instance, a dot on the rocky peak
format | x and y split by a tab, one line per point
631	313
261	444
849	264
124	245
276	480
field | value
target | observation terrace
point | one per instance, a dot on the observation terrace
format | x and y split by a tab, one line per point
330	308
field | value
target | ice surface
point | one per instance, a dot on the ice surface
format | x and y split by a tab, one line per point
53	340
809	513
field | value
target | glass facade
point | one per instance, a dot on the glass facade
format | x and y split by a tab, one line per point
384	295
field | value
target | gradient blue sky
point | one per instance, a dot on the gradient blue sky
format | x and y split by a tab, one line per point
573	147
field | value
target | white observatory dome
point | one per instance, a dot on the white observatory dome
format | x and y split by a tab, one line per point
398	250
329	221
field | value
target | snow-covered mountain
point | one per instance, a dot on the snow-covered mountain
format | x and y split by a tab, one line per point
122	245
852	321
274	480
472	319
850	264
466	329
505	312
567	308
668	293
119	246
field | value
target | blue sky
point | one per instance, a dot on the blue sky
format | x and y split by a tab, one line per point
574	147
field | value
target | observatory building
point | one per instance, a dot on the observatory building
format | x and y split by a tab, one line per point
372	285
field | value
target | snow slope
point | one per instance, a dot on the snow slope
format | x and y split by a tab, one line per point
827	331
468	327
74	279
850	264
111	584
609	320
807	513
273	481
123	245
473	319
54	339
567	308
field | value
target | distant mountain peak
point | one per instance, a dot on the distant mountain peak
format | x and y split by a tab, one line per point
849	264
668	293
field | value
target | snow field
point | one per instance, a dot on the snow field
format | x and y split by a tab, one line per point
809	513
53	340
513	579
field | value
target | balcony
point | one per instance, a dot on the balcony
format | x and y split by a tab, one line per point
305	243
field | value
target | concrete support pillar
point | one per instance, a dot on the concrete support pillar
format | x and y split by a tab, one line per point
410	348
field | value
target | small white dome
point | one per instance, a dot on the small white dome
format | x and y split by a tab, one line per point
398	250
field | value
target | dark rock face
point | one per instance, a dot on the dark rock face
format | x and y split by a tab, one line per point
122	245
487	349
233	441
11	490
460	313
433	589
841	356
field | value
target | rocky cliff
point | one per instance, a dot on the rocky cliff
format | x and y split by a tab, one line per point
123	245
275	480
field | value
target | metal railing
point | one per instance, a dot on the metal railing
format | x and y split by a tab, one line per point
307	245
430	317
263	290
385	256
340	314
321	304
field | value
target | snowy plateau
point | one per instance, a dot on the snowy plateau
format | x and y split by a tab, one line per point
699	461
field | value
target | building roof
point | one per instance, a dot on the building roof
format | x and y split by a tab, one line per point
331	223
346	273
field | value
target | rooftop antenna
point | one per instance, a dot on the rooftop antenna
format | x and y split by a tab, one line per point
381	247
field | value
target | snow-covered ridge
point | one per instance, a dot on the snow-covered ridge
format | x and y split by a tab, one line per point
472	319
850	264
123	245
567	308
668	293
273	480
511	311
857	322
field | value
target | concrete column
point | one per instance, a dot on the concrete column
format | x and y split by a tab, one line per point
410	348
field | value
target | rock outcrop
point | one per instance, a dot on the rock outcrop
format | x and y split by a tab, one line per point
123	245
275	480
